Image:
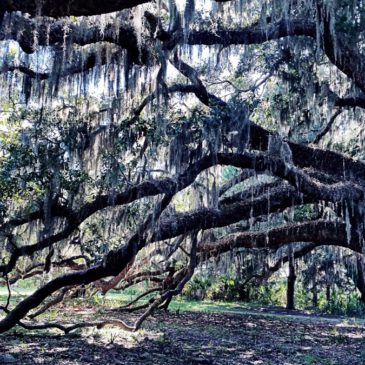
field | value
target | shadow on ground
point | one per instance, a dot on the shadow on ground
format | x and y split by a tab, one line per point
198	338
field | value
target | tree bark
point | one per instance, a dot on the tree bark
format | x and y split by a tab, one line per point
360	278
315	291
62	8
318	232
290	291
328	294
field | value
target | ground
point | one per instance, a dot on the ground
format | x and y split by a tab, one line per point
232	336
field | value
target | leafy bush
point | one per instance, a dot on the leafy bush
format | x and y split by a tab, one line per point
226	288
269	293
343	303
196	288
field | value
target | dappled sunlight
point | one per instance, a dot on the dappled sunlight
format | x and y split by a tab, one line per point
182	182
180	337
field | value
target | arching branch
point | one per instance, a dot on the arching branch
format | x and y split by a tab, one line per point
62	8
318	232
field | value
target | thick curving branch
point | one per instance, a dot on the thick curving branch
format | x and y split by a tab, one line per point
67	36
318	232
114	262
255	34
63	8
345	192
148	188
324	161
345	58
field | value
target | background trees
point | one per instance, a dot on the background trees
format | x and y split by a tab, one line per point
138	135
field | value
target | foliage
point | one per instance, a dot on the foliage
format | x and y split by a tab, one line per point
122	124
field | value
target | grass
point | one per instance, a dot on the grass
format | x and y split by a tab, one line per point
207	306
15	292
258	337
115	299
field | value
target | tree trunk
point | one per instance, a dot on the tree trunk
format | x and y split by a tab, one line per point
165	306
360	278
315	296
328	293
315	291
291	282
243	293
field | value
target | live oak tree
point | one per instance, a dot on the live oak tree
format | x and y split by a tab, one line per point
120	120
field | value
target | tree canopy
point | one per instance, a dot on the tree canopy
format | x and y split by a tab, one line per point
147	139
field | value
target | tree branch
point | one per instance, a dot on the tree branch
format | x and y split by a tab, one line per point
62	8
318	232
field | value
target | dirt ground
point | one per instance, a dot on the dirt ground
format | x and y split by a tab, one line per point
192	338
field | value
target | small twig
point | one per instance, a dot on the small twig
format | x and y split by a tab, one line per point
51	303
184	251
134	309
9	292
179	287
321	134
175	246
252	88
140	297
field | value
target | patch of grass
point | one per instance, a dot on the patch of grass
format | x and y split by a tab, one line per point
207	306
310	359
315	360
